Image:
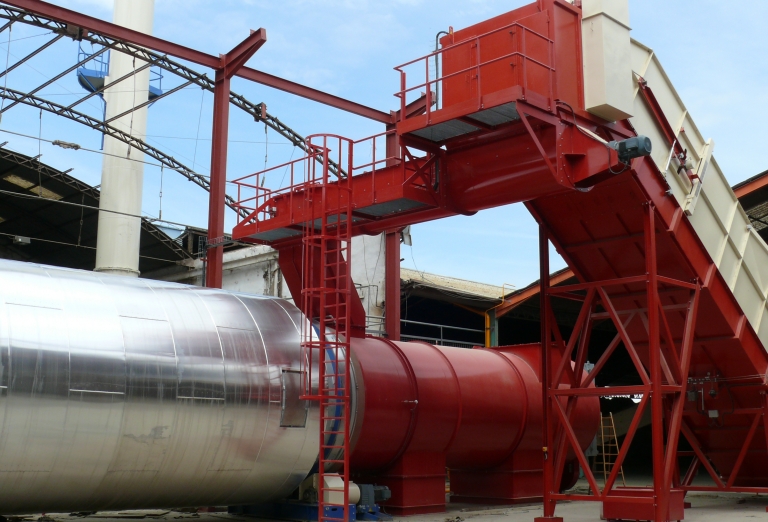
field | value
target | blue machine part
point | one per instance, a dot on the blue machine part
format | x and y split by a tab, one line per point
306	511
330	356
91	76
372	513
370	496
294	510
338	409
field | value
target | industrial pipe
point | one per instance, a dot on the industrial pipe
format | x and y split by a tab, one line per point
125	393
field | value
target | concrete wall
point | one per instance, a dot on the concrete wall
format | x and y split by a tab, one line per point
255	270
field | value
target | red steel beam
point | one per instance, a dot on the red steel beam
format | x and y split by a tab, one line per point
708	489
603	391
242	52
568	430
548	420
744	449
621	499
230	63
215	254
517	299
581	332
392	285
694	442
628	437
581	321
658	113
654	354
601	284
313	94
560	344
630	347
96	25
606	354
676	416
748	187
693	469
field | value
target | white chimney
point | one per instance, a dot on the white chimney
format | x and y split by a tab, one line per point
117	245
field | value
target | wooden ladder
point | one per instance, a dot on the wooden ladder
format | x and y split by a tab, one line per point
608	445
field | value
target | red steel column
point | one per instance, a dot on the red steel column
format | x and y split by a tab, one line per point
215	255
392	285
392	251
657	412
547	417
231	62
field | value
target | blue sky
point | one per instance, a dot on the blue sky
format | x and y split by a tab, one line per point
714	54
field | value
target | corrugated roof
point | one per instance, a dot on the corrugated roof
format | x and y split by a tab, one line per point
463	287
43	203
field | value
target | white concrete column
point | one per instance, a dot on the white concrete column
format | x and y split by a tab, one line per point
117	245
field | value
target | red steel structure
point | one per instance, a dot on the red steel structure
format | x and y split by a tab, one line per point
504	122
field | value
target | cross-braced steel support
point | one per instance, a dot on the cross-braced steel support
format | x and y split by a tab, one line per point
726	484
643	323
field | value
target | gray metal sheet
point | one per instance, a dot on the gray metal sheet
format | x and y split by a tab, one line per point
444	131
125	393
277	234
37	389
391	207
497	115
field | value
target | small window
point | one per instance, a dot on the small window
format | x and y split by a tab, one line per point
294	410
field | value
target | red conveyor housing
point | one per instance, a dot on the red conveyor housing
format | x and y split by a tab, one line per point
476	412
511	126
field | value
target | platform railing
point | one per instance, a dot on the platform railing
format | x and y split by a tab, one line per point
440	339
101	62
373	153
433	84
255	197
